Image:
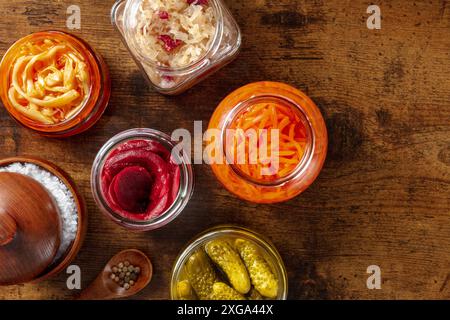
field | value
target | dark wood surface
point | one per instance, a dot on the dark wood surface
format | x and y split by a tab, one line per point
383	195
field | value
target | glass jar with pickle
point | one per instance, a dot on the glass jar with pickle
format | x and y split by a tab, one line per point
229	263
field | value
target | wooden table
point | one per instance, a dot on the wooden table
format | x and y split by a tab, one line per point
383	195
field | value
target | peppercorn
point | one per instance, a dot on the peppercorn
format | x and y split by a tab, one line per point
125	274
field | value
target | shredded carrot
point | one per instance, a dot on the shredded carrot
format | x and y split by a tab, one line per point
291	131
278	157
283	123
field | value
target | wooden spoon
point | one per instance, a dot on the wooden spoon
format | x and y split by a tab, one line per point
104	288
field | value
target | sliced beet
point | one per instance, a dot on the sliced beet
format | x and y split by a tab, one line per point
147	159
140	180
131	189
146	145
175	177
157	207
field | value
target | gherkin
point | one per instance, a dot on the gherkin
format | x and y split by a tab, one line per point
222	291
185	291
201	274
260	272
228	260
254	294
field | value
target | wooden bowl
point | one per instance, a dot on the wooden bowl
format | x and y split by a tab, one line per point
72	252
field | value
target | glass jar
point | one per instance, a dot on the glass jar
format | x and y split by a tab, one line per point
304	170
180	199
89	110
223	48
230	233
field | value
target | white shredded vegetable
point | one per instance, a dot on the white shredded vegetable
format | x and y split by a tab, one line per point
174	33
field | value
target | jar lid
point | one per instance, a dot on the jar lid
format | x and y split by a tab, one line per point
29	229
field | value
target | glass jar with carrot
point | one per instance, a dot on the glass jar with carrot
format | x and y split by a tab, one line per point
272	142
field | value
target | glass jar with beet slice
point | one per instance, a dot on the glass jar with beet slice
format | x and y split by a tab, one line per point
177	43
138	181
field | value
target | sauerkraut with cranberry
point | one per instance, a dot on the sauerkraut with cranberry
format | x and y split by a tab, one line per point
175	33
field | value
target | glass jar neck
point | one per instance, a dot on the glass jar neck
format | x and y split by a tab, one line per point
243	107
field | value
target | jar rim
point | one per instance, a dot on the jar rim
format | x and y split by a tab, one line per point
97	84
231	230
199	63
185	190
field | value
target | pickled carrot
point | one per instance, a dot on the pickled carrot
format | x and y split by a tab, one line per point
263	107
283	155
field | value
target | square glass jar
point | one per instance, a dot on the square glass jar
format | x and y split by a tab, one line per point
223	48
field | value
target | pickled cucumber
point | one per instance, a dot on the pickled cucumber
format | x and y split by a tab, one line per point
201	274
260	272
222	291
185	291
254	295
228	260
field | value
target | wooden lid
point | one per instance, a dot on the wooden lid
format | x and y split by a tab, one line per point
29	228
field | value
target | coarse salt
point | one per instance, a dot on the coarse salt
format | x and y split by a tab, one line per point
62	195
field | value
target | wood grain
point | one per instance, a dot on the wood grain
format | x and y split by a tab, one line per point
383	196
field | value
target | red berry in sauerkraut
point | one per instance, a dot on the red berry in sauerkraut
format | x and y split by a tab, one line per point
197	1
170	44
175	33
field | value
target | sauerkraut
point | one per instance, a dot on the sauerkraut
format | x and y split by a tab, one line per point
49	82
175	33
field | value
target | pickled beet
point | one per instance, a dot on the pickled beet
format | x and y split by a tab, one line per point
131	189
139	179
170	44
